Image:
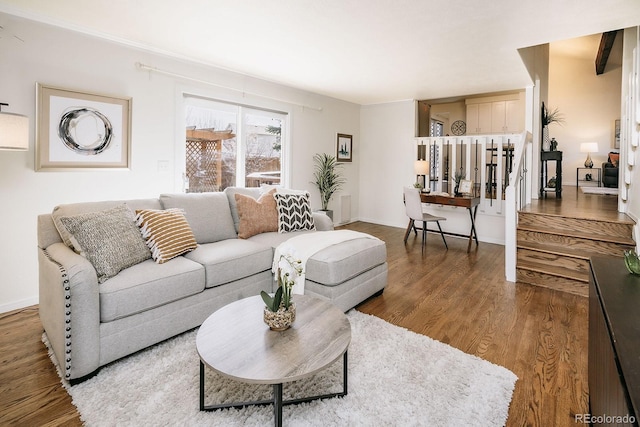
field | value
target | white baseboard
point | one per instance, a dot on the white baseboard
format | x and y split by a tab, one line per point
15	305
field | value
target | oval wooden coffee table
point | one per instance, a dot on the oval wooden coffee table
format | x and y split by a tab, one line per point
236	343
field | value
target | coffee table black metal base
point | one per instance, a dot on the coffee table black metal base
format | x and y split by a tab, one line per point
276	401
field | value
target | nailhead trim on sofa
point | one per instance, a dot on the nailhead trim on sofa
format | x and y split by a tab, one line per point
67	316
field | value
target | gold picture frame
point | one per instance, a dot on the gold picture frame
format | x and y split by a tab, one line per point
465	187
78	130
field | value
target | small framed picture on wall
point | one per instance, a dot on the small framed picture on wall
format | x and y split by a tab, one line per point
344	147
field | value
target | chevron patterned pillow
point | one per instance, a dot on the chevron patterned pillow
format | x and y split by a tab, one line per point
294	212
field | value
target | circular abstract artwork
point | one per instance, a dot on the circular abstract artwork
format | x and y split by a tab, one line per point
85	131
458	127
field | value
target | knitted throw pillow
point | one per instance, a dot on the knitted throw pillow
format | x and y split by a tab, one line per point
109	239
294	212
167	233
256	216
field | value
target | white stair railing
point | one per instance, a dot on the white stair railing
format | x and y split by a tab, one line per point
486	160
500	168
517	195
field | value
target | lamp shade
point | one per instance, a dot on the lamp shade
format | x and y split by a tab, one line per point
14	132
589	147
421	167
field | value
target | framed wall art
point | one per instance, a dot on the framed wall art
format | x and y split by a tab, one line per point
344	148
466	187
81	130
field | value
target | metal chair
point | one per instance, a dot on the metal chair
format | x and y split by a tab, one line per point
413	206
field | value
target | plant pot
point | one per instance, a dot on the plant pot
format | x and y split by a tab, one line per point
280	320
546	142
328	213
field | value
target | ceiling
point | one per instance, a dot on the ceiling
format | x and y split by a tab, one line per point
366	52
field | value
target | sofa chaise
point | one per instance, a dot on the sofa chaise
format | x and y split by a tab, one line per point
91	320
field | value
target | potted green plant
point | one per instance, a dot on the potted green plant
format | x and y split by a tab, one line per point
546	118
457	178
632	262
327	179
280	310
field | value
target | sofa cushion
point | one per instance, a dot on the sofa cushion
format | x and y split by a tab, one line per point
109	239
273	239
256	216
231	259
208	214
79	208
231	196
148	285
341	262
166	232
294	212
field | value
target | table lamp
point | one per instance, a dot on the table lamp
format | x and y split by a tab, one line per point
588	147
421	167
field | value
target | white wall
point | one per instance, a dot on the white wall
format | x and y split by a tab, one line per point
630	155
65	59
590	103
388	137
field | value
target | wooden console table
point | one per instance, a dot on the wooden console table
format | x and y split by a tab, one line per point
471	203
614	342
546	156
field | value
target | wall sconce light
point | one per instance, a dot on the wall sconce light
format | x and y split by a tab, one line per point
589	147
14	131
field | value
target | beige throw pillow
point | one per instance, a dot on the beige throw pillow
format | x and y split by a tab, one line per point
167	233
256	216
109	239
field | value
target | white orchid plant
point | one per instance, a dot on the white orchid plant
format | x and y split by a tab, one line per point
289	269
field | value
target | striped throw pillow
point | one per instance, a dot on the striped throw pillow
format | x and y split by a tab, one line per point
166	232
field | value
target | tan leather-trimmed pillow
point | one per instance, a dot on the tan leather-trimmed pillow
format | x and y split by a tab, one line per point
167	233
256	216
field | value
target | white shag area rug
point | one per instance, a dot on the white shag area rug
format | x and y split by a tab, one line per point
395	378
599	190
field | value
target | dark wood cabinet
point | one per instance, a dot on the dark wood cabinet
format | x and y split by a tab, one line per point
545	157
614	343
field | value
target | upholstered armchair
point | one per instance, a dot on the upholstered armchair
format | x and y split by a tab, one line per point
610	171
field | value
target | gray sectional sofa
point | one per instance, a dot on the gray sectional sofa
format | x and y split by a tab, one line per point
90	324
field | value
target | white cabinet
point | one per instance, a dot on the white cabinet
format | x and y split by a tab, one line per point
479	118
507	117
495	117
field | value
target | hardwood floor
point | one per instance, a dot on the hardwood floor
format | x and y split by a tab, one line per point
457	298
464	301
30	389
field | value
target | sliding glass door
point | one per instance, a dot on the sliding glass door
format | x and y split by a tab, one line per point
231	145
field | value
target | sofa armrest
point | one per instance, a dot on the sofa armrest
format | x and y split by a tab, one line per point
69	309
322	221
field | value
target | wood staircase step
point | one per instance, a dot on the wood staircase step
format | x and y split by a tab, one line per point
553	251
585	225
555	270
561	264
550	281
596	244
